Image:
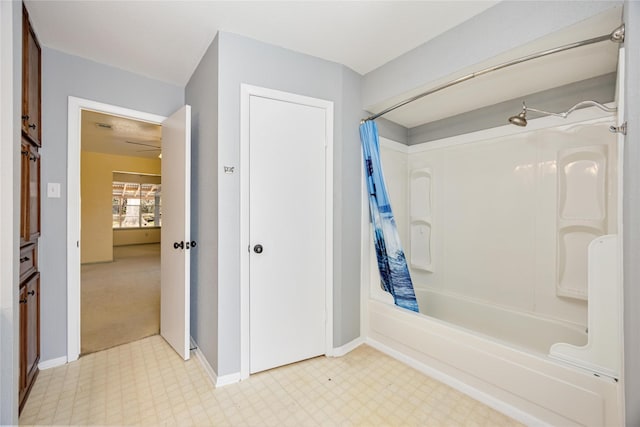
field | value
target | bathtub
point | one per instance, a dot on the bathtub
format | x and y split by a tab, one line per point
519	329
528	386
490	351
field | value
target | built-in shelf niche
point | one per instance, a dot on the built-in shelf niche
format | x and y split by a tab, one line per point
420	191
582	214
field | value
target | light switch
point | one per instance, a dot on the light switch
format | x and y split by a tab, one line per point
53	190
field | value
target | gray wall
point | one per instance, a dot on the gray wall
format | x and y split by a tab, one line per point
11	52
499	29
631	220
601	89
392	130
202	95
346	220
65	75
242	60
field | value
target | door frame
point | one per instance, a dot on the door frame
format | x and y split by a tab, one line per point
246	91
75	107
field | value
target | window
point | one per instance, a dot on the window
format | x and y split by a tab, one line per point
136	205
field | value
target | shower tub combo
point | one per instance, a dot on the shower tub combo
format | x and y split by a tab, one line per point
511	239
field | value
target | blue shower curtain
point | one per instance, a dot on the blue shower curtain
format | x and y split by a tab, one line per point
392	264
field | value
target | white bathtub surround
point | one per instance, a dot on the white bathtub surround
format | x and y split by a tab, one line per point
602	352
511	212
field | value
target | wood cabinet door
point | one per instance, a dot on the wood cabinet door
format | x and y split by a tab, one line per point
29	194
24	312
29	334
24	191
34	194
31	89
32	353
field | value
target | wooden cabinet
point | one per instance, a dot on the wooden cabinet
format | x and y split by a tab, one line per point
29	193
31	92
29	334
30	190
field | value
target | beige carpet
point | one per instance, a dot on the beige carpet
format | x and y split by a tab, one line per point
120	300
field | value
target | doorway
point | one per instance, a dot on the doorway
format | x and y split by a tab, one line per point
179	128
287	228
120	182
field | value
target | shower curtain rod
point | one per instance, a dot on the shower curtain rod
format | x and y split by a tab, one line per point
616	36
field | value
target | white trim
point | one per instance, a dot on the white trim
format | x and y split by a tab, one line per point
620	100
577	116
246	91
75	107
462	387
199	356
208	369
348	347
228	379
52	363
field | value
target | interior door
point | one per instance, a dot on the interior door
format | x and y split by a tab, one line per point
287	232
175	233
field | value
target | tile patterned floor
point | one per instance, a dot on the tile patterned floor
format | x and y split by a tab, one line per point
146	383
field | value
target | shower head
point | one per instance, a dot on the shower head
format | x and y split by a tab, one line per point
520	119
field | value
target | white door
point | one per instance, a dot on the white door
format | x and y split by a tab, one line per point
287	232
175	233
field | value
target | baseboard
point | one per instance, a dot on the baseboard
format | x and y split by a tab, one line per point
52	363
452	382
228	379
347	348
217	381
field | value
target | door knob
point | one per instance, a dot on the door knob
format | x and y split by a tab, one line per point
177	245
31	292
191	244
257	249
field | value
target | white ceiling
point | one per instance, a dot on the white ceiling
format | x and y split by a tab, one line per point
165	40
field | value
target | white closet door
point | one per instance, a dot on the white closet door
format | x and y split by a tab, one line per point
287	232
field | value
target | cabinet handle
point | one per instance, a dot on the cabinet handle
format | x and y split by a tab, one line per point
23	301
25	117
34	158
25	259
31	293
24	153
32	126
